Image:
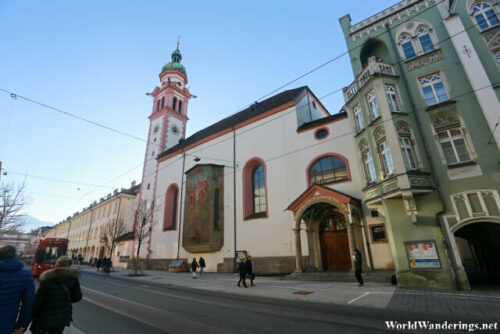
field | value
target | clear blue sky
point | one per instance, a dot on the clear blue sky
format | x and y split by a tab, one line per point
97	59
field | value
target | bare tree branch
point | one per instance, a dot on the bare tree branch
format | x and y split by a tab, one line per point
12	205
144	224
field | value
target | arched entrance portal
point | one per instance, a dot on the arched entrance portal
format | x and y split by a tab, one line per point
334	241
479	250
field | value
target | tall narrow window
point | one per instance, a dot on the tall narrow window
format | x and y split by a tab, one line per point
392	98
180	106
425	40
369	167
407	46
174	104
259	190
158	103
373	104
163	102
385	153
408	152
358	116
453	144
433	89
485	15
254	189
170	209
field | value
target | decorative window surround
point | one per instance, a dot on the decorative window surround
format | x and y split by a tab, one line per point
392	98
373	105
433	89
484	15
476	204
424	60
359	119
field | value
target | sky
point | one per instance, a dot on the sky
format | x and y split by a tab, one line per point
97	59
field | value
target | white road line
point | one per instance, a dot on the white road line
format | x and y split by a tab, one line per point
358	298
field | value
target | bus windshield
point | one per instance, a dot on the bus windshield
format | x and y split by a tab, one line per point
50	254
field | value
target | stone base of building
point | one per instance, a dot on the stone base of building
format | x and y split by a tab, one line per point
153	264
266	265
426	278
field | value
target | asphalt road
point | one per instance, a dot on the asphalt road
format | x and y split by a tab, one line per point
114	305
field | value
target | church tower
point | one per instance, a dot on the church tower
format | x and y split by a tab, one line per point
167	121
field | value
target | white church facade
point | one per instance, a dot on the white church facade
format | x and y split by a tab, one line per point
278	180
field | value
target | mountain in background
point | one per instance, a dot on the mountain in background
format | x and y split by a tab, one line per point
32	223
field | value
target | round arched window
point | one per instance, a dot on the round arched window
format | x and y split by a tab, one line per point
328	170
321	134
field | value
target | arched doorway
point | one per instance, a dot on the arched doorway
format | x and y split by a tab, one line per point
334	242
479	250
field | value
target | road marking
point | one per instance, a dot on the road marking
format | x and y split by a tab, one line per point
358	298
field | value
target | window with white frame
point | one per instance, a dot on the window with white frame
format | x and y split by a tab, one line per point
408	152
453	145
369	167
386	155
433	89
358	116
424	39
497	57
407	46
373	104
392	98
484	15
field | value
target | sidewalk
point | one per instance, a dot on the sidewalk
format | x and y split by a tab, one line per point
348	293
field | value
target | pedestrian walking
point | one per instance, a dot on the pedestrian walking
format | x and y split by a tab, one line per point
59	288
99	264
106	266
194	266
202	265
17	293
242	270
357	266
95	262
80	259
249	270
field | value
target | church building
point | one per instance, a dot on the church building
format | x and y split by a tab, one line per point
278	181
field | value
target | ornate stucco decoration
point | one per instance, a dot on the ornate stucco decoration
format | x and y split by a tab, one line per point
363	145
424	60
403	128
379	134
445	119
398	12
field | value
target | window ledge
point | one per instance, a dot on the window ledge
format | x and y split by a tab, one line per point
462	164
256	216
173	228
487	30
440	104
374	120
359	132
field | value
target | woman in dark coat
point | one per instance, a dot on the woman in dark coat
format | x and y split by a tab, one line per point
243	271
59	288
202	265
357	266
249	270
194	266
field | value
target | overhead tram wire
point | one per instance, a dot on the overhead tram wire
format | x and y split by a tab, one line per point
55	180
15	95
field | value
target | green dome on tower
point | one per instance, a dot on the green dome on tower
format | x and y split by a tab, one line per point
175	64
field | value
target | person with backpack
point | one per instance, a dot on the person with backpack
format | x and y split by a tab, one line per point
202	265
59	288
17	292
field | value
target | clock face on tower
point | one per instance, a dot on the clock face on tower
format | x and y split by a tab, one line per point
175	129
155	130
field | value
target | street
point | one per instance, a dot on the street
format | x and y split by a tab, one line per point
118	305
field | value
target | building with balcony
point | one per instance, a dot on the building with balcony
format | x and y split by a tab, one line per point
423	107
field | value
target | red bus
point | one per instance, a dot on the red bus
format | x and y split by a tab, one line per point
47	252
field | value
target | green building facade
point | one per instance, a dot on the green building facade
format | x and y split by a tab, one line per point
424	123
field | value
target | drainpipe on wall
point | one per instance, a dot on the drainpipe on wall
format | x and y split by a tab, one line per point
181	206
420	131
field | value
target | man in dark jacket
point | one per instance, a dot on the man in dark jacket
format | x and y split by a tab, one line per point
202	265
59	287
249	270
357	266
17	292
243	271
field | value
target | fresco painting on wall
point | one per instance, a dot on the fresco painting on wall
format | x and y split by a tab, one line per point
203	229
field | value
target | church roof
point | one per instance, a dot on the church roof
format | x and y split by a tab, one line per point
227	123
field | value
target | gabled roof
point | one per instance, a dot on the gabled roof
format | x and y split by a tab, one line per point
323	120
254	110
316	188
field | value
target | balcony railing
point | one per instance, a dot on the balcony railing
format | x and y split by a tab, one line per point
374	67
